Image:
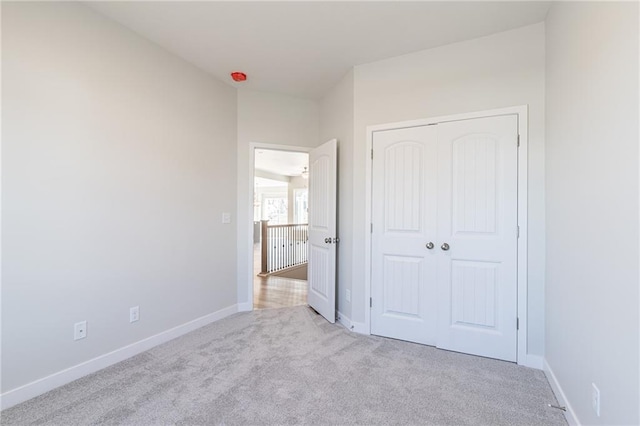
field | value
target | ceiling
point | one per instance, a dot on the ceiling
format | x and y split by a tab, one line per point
284	163
304	48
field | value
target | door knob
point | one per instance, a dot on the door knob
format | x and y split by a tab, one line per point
327	240
445	246
429	245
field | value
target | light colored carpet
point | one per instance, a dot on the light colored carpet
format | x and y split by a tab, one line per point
286	366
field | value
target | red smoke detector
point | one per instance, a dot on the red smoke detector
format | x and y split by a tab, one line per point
238	76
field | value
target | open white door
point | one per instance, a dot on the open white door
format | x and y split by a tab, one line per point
323	165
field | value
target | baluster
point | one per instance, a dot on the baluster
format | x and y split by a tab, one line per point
280	247
285	230
289	255
299	244
271	249
279	266
306	246
275	249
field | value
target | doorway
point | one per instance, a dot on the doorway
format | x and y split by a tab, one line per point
445	240
280	209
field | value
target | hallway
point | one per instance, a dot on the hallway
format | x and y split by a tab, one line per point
273	291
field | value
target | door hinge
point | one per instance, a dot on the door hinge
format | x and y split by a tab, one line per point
518	231
372	227
518	140
372	154
517	323
371	302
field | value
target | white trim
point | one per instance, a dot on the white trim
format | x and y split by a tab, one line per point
245	307
360	327
55	380
570	415
344	320
523	208
356	327
248	250
534	361
523	131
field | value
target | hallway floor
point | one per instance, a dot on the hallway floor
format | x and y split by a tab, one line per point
275	292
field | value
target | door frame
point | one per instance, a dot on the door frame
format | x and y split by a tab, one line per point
249	207
523	132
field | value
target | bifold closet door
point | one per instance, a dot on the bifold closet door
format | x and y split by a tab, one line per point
477	236
403	304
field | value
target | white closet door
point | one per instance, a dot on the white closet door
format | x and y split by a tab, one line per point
477	219
323	168
403	304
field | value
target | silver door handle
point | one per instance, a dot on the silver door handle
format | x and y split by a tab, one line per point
429	245
327	240
445	247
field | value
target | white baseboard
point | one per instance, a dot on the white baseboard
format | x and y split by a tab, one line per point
245	307
344	320
356	327
534	361
570	415
359	327
40	386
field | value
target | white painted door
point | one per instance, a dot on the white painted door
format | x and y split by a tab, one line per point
477	219
322	229
404	223
453	184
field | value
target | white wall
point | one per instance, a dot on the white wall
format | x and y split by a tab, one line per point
501	70
336	121
592	332
266	118
112	151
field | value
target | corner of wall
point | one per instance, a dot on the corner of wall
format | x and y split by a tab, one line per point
569	414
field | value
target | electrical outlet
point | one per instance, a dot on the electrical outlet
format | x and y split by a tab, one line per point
595	399
134	314
226	217
80	330
347	295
